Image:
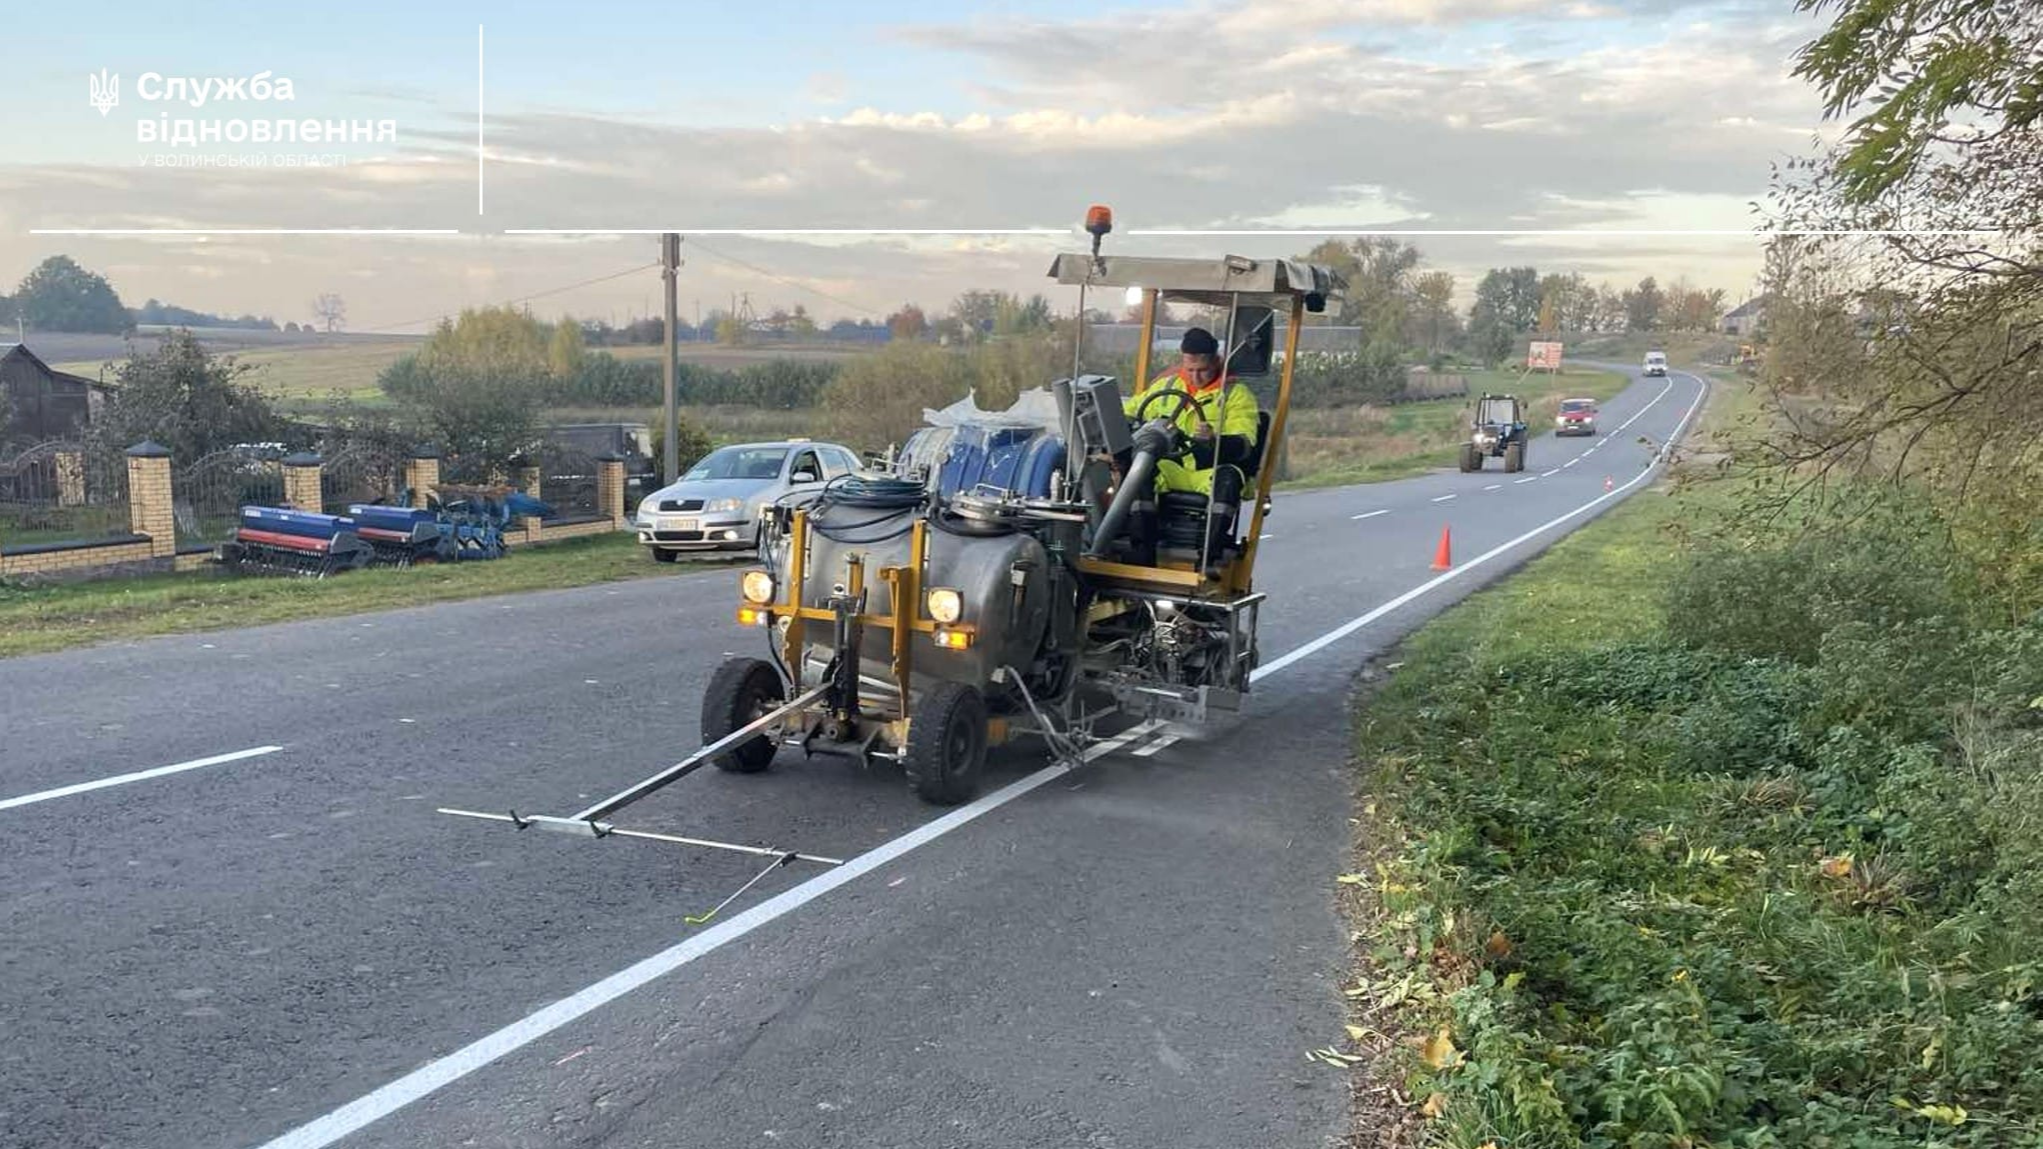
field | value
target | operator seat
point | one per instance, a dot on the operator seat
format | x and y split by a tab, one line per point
1181	515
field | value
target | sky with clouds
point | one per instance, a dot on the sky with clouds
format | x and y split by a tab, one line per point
1431	115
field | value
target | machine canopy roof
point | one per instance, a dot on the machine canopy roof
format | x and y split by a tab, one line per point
1261	282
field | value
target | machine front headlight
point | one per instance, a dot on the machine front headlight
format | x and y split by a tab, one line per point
757	587
946	605
721	506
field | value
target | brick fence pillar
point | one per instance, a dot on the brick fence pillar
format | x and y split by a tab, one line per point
422	474
525	475
610	490
301	482
150	508
70	478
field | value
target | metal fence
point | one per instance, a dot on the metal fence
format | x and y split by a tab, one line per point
62	491
456	471
569	481
212	490
359	472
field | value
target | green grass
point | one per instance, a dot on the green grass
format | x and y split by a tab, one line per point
1629	879
37	619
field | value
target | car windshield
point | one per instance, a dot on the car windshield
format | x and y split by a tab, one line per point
739	463
1578	404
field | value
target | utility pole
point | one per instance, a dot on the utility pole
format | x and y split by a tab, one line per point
670	266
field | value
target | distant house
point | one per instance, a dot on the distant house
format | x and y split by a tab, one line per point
1745	319
38	402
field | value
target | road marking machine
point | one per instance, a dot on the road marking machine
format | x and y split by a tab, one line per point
986	586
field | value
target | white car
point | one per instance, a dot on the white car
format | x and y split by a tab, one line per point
715	504
1656	363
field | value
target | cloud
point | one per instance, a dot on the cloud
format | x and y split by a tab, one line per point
1314	127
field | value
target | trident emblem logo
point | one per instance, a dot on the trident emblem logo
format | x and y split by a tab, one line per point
106	91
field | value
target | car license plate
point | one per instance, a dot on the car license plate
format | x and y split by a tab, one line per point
677	524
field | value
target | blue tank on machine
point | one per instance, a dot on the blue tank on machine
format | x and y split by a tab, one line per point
984	458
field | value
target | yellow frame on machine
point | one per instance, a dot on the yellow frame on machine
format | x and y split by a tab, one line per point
906	620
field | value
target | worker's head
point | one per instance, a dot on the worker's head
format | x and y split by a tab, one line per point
1199	357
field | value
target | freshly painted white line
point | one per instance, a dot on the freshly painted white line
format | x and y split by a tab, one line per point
1264	538
1370	514
1494	487
434	1075
1572	462
1443	498
1550	474
1526	479
1150	750
137	776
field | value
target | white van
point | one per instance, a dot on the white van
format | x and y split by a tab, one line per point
1656	363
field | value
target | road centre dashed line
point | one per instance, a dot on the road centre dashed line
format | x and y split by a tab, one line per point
1443	498
1370	514
1526	479
137	776
1494	487
436	1074
1572	462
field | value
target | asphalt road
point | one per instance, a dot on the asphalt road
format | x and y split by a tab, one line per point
292	948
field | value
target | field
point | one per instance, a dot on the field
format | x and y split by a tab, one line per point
301	370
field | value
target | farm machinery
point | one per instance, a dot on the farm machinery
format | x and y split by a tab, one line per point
983	584
1497	430
459	523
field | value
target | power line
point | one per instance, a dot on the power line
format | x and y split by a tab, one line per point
528	298
794	283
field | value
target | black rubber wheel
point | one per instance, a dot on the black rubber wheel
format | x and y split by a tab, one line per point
665	556
947	744
740	691
1471	459
1514	457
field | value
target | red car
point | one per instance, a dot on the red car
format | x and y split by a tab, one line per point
1577	417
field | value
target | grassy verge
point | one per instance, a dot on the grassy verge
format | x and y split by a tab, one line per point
1681	844
34	620
1337	446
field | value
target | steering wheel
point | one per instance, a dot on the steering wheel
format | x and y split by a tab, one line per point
1185	400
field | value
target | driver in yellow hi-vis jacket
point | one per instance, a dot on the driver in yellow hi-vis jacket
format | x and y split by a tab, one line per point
1220	416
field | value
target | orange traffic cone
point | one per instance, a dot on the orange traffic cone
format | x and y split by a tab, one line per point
1443	559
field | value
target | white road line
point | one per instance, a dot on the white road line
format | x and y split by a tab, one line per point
1526	479
1150	750
1370	514
1494	487
137	776
434	1075
1572	462
1550	474
1443	498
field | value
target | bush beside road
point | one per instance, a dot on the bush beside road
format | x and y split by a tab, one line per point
1701	831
